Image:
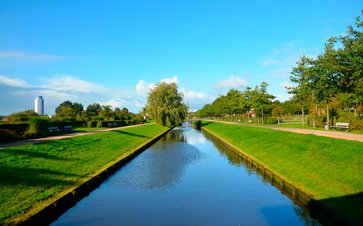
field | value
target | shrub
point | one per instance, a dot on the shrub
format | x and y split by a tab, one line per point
92	124
270	120
99	124
197	124
38	127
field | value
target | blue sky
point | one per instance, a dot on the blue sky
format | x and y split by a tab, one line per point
112	52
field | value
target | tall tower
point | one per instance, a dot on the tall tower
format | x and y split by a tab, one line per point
39	105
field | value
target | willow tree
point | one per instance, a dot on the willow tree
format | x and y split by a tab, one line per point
165	105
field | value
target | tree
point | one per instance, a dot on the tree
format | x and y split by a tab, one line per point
93	109
69	109
301	75
165	105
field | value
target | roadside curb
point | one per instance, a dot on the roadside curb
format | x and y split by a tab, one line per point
70	197
318	210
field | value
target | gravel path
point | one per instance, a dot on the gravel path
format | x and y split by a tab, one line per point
58	137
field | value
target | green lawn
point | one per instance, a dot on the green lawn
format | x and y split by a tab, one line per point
32	173
330	169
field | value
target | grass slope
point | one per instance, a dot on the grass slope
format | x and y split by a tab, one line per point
32	173
330	169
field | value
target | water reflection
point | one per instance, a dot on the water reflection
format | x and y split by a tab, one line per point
162	166
186	179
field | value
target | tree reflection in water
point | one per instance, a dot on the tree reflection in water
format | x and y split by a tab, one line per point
162	165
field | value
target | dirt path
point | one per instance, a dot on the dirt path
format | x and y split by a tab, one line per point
58	137
332	134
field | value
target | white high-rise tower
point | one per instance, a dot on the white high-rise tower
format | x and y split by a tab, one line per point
39	105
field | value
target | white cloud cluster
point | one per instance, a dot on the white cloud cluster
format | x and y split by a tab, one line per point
68	83
13	82
143	88
233	82
20	94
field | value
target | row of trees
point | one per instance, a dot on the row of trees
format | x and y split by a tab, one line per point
334	76
69	110
253	102
327	87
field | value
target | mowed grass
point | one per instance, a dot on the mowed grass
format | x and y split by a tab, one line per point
33	173
329	169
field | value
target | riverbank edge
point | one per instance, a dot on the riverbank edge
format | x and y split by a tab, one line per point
317	210
51	209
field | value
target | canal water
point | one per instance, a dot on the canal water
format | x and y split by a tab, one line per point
186	178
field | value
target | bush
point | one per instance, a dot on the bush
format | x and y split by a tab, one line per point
355	123
197	124
38	127
92	124
99	124
319	120
270	120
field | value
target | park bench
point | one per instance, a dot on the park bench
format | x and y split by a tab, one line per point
53	129
341	125
68	128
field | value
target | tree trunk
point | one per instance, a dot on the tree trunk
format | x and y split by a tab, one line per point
327	115
302	116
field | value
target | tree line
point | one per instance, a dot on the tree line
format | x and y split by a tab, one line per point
328	88
334	78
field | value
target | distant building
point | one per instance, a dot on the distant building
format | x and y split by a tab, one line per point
39	105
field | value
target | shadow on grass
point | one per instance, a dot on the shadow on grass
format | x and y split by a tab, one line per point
344	210
205	123
130	134
33	177
30	154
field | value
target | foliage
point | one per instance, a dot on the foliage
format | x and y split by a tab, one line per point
99	124
165	105
22	116
235	102
69	109
92	124
33	173
10	132
38	127
336	74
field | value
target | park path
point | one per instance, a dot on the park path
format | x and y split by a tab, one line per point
332	134
59	137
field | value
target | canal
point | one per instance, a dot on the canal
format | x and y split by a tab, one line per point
186	178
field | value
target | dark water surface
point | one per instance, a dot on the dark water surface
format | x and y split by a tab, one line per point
185	179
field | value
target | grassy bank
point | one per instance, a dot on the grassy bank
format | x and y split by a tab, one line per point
34	173
329	169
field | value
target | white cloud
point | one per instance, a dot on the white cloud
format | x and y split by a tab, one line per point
191	95
68	83
233	82
143	88
13	82
20	94
170	80
21	55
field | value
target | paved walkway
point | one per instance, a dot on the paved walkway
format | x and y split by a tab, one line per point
58	137
332	134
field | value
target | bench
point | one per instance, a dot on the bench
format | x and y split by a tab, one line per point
68	128
53	129
341	125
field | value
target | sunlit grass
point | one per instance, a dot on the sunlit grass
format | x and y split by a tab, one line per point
32	173
324	167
